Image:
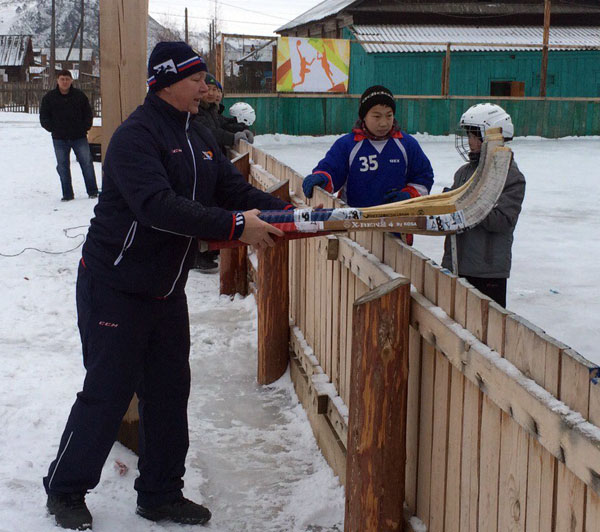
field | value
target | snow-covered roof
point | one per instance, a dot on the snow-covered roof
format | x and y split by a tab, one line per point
61	54
320	11
13	49
580	36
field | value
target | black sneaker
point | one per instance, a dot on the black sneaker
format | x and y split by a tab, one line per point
93	196
70	511
206	263
181	511
66	199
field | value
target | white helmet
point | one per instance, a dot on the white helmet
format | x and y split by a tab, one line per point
243	113
478	119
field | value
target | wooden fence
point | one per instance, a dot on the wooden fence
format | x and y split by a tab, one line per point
25	97
502	419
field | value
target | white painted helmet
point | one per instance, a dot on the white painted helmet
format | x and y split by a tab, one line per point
478	119
243	113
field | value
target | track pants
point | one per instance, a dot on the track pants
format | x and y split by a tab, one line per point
130	344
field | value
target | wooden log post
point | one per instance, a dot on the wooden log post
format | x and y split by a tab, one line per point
123	37
233	268
376	453
273	304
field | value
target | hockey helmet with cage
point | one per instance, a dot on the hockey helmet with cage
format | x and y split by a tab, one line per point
477	120
243	113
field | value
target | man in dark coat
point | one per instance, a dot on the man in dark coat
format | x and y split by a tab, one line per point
66	113
164	186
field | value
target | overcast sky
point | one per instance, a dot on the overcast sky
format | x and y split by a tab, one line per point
259	17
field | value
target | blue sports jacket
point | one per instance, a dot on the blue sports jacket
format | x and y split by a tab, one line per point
163	185
366	169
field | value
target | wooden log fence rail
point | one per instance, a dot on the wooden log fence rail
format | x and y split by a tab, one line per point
501	419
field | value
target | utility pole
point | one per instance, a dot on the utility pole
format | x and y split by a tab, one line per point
81	38
187	36
544	70
51	76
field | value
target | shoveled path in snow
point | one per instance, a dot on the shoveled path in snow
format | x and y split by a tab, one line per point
252	460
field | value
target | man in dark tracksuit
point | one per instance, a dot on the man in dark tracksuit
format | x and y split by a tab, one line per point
66	113
164	186
485	252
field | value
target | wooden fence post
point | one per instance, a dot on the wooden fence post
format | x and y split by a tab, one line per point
376	453
123	37
233	268
273	304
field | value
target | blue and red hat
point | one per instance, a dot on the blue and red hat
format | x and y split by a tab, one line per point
171	62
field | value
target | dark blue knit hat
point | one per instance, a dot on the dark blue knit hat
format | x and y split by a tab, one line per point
171	62
211	80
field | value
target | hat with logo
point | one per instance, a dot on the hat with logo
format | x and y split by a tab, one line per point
171	62
375	95
211	80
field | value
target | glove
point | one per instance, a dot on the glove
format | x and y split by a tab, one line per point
240	135
249	135
313	180
393	195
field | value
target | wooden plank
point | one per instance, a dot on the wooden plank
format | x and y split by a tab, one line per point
336	313
412	418
592	507
351	297
389	250
453	472
417	270
513	460
571	492
447	291
343	335
377	245
425	432
491	419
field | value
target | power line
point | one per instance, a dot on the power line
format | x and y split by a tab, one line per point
252	11
210	18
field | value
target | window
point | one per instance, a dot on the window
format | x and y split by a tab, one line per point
507	88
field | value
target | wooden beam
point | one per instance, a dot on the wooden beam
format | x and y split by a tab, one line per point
544	69
123	37
376	452
123	66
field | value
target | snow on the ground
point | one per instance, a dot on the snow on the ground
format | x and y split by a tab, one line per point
253	459
556	254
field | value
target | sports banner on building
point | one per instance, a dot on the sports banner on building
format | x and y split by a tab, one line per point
312	65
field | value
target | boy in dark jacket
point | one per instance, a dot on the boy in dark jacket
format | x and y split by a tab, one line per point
484	253
164	186
66	113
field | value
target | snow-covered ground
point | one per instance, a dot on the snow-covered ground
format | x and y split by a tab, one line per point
556	254
252	459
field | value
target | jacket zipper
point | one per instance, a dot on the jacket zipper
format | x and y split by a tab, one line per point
187	125
128	241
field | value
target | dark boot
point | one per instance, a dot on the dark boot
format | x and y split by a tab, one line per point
206	263
181	511
70	511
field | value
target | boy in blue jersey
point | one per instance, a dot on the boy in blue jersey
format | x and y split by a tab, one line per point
376	163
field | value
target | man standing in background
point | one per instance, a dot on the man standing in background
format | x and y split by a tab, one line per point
66	113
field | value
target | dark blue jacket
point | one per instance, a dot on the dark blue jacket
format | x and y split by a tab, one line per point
163	185
368	169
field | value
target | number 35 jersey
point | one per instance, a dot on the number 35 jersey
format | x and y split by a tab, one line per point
365	170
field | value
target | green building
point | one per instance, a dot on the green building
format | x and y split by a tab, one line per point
440	57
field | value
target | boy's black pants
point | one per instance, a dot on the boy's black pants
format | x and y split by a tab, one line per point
494	288
130	344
